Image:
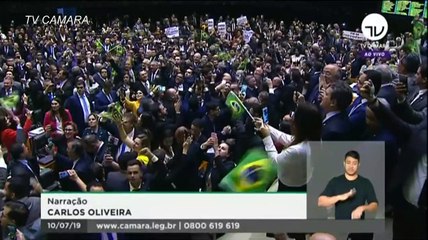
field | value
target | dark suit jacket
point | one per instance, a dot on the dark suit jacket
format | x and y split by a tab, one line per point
123	185
414	139
116	181
337	128
138	85
66	91
357	116
98	79
312	97
36	93
7	51
102	102
14	89
76	110
251	93
388	92
82	168
330	58
420	103
17	168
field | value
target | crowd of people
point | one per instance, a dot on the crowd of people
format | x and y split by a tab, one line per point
175	131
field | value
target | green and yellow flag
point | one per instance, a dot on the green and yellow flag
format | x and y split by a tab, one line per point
113	113
235	104
10	101
254	173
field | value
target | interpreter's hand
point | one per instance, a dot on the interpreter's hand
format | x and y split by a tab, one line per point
261	127
345	196
357	213
367	91
401	91
73	175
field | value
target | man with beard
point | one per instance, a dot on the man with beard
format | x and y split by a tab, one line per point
351	194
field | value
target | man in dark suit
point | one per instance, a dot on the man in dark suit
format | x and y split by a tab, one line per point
20	166
78	161
9	88
117	180
314	78
95	148
409	66
336	124
35	90
18	188
387	90
101	77
252	90
64	85
331	57
419	101
357	110
7	49
106	98
143	84
80	106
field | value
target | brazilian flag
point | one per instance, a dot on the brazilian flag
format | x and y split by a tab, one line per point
254	173
235	104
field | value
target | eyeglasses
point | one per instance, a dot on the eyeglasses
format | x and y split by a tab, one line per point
68	130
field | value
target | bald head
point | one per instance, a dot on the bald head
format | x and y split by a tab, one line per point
322	236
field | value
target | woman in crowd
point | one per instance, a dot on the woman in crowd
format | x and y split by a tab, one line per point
55	119
133	103
166	142
70	134
95	128
294	160
222	165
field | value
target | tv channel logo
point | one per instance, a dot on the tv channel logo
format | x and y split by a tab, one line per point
374	27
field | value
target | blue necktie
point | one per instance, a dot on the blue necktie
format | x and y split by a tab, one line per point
85	107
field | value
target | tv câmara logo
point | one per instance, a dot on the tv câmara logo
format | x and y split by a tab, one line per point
374	27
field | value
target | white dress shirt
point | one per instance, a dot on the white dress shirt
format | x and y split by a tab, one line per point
294	165
413	186
420	93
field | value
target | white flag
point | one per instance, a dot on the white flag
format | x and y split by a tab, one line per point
172	32
241	21
210	24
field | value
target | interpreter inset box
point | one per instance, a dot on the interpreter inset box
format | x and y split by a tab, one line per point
347	178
